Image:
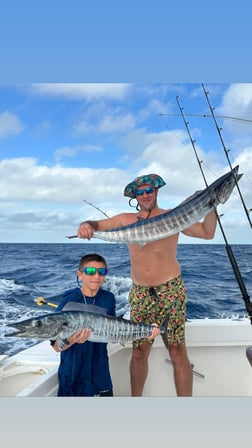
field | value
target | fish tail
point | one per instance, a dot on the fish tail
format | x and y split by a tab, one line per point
163	330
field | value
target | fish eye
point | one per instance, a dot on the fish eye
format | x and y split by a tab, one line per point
65	324
38	323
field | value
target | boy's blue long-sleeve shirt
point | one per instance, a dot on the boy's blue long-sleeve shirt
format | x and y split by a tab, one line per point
84	368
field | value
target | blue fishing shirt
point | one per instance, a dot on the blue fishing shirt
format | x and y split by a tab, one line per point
84	368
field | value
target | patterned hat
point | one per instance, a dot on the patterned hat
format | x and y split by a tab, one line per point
152	179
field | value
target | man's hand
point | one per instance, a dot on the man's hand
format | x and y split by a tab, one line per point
85	231
155	332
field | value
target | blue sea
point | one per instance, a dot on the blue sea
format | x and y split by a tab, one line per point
29	271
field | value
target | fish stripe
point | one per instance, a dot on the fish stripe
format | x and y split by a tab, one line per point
62	324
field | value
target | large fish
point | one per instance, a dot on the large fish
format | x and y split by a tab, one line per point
179	218
74	317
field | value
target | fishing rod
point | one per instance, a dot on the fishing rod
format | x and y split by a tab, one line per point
92	205
225	117
226	153
97	208
229	250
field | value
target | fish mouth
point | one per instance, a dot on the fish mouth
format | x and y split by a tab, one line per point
18	330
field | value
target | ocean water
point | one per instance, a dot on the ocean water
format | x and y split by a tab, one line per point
28	271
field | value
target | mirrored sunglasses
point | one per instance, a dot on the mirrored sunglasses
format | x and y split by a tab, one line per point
90	270
148	190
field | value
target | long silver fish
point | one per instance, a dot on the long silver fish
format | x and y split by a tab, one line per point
74	317
179	218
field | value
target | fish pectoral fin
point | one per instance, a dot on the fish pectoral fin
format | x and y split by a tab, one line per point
62	342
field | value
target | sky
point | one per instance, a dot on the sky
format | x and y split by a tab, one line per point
67	150
88	102
48	168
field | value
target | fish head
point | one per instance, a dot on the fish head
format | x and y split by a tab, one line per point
42	327
226	184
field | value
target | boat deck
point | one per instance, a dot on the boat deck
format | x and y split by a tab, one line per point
30	371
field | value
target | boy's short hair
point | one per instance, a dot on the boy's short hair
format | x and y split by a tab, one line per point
91	257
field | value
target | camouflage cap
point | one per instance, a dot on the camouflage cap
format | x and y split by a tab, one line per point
151	179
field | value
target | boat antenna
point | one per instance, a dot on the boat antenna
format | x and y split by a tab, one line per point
229	250
226	151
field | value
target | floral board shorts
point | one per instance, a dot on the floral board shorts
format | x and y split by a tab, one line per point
151	305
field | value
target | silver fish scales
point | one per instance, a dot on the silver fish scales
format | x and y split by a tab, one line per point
63	324
181	217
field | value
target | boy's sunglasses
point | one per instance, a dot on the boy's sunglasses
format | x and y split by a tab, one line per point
148	190
89	270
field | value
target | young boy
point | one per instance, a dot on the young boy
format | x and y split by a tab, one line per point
84	366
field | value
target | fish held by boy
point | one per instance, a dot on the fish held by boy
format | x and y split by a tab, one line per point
74	317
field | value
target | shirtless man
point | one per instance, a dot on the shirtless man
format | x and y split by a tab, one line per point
157	285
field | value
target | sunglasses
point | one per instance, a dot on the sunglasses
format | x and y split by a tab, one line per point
89	270
148	190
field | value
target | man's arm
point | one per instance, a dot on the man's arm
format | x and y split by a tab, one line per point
87	228
205	229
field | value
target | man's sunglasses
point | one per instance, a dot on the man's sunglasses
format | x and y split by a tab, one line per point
90	270
148	190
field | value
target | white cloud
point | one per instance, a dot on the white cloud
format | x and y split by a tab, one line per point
81	91
50	201
105	123
238	98
237	104
23	179
10	124
68	151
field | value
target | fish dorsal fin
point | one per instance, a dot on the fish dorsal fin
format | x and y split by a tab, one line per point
75	306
